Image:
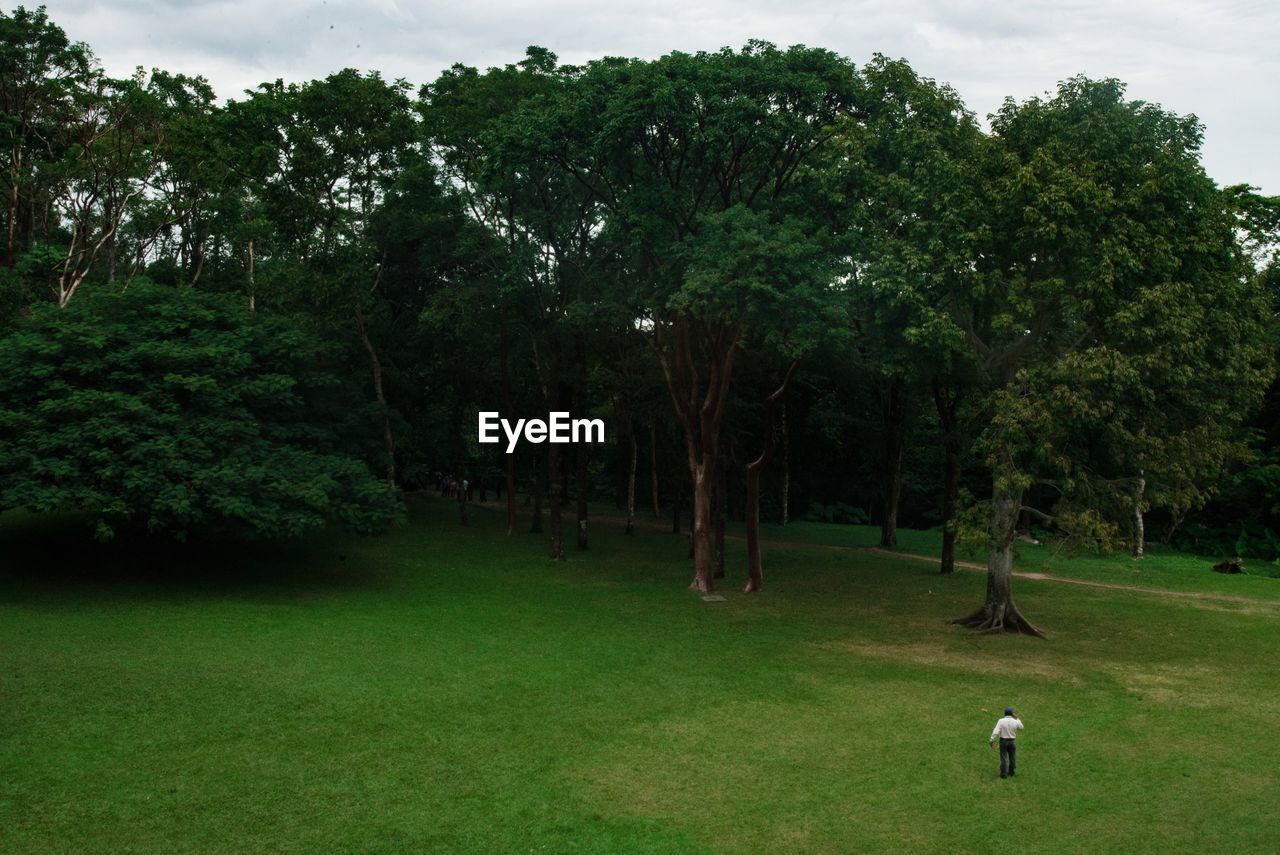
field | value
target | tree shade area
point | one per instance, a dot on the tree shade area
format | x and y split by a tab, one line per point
793	286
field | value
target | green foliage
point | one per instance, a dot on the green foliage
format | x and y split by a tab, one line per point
180	412
1121	337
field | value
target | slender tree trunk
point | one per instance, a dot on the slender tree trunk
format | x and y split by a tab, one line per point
653	468
553	393
10	255
250	275
555	502
195	276
582	450
580	458
111	241
375	366
720	500
197	256
947	405
786	470
999	612
950	503
772	404
1139	524
703	477
631	482
893	419
508	458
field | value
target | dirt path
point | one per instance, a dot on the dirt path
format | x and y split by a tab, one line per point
1110	586
1198	596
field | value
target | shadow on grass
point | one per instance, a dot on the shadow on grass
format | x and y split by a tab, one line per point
58	553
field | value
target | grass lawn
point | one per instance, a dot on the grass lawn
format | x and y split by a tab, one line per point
449	689
1163	567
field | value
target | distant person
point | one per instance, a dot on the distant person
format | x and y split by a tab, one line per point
1006	730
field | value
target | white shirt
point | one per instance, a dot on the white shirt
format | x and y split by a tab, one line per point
1007	728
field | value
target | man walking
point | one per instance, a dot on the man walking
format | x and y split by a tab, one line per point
1006	730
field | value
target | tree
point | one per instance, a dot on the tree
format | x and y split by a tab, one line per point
701	161
489	131
323	157
41	72
1110	313
905	179
176	411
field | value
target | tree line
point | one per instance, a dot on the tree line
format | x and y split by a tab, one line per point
791	284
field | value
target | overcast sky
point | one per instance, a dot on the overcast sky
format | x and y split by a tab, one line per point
1220	61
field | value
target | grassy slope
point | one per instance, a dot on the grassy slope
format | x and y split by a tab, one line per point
448	688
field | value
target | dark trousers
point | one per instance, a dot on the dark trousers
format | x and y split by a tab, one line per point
1008	756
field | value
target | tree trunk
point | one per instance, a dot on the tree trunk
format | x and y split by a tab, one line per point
10	255
249	272
508	458
1139	525
786	470
631	483
950	503
653	468
111	241
582	450
755	566
580	458
893	419
700	407
555	502
375	365
703	570
553	394
947	405
720	500
999	612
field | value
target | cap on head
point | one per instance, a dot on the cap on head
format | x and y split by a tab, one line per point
1008	710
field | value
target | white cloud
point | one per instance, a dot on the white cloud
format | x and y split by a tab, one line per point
1217	60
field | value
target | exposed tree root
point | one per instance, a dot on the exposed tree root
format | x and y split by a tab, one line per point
752	587
1000	619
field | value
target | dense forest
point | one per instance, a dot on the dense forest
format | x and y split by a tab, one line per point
792	286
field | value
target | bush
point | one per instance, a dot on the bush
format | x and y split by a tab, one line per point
178	411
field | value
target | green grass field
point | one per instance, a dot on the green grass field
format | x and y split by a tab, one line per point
449	689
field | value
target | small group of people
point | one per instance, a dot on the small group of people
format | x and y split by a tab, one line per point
463	489
450	486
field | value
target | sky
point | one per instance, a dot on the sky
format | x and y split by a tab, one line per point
1220	61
